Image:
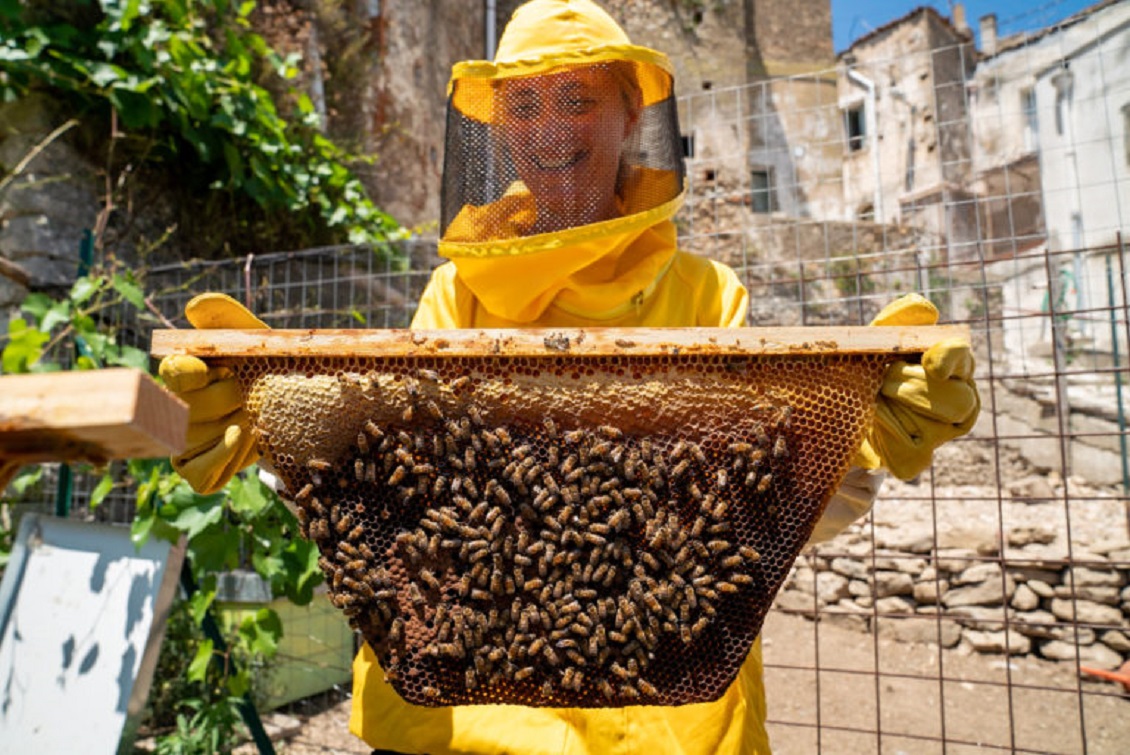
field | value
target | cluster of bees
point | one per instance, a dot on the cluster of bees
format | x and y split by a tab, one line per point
519	561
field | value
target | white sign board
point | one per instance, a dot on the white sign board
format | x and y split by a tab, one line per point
82	612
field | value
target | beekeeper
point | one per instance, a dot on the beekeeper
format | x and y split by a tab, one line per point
562	172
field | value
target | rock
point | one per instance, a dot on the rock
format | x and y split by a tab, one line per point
1094	593
792	601
848	615
928	632
1081	575
1041	588
1098	655
889	583
893	604
1026	535
831	587
981	540
1034	488
977	574
865	601
927	591
900	563
1030	573
1010	642
851	568
984	594
1036	624
912	538
954	560
1024	599
1116	640
978	617
859	589
802	579
1085	612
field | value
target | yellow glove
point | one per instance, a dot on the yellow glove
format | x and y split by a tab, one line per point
920	406
220	442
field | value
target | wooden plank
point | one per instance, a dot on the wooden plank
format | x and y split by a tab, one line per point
92	415
552	342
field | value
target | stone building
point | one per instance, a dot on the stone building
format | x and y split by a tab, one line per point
907	155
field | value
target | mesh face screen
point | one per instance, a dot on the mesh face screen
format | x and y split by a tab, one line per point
573	531
550	152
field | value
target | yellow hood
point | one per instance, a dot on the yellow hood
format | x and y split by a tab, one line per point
595	270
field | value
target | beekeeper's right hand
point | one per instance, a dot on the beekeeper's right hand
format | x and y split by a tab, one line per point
220	442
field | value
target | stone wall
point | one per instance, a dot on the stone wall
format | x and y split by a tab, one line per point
953	577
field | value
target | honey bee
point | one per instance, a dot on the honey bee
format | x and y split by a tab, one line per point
765	483
739	578
698	627
647	688
731	562
751	479
371	428
680	469
573	437
431	693
460	382
780	449
749	553
396	630
429	579
523	673
356	533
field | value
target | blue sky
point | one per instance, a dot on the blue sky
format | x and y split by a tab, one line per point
852	19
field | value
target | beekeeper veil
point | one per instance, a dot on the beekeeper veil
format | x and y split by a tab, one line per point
569	134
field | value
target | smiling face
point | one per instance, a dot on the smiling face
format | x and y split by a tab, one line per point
565	133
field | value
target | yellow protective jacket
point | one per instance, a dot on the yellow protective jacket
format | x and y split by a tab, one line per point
683	290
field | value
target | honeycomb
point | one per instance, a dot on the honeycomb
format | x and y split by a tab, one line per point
562	530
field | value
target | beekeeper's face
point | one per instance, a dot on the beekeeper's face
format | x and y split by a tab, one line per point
565	132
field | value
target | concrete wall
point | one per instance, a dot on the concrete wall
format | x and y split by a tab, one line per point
1084	156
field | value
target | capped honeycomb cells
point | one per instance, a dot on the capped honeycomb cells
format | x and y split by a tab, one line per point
559	531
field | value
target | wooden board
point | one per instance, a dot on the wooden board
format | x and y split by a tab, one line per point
552	342
90	415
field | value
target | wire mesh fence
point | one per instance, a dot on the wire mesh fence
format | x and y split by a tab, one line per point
965	613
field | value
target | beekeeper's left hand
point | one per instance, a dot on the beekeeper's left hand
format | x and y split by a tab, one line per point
921	405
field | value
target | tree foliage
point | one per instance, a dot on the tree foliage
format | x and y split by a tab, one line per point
181	76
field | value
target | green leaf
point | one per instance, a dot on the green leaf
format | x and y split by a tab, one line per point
26	479
248	497
58	314
239	684
25	346
262	632
198	669
195	513
129	290
199	604
216	549
104	486
84	288
37	305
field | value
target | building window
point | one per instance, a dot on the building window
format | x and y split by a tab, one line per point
1126	131
855	127
763	198
687	142
1031	125
1062	81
